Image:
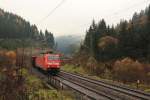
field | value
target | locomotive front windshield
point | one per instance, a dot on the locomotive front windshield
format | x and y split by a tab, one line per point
53	57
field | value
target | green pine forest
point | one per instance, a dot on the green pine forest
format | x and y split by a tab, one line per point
18	32
126	39
118	52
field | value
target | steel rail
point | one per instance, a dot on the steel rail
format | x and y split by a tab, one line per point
87	91
131	92
84	90
90	89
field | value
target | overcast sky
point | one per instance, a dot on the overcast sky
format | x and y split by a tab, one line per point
73	16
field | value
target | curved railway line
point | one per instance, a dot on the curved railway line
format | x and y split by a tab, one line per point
108	90
93	89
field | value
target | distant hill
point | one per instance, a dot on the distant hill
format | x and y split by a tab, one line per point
69	44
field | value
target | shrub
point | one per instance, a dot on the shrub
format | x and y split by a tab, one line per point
7	58
128	70
92	64
11	54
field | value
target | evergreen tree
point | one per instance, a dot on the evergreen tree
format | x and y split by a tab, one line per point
133	38
15	28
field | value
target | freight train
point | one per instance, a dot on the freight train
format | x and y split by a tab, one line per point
48	62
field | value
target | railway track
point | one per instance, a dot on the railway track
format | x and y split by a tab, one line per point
105	89
93	89
57	81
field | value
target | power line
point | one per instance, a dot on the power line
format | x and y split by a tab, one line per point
126	9
52	11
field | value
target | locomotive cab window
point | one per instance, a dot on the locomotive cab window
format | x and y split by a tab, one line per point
53	58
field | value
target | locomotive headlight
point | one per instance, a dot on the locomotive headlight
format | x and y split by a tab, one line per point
53	63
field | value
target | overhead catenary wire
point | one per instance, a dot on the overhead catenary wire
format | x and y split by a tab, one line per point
111	15
107	16
115	13
126	9
52	11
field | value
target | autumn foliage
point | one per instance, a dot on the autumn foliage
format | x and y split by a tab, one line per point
107	41
11	82
11	54
7	58
128	70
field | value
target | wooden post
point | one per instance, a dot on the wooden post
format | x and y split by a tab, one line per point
138	82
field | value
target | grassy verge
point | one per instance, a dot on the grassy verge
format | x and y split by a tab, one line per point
38	91
74	69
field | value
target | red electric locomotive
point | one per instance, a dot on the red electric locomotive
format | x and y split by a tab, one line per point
47	62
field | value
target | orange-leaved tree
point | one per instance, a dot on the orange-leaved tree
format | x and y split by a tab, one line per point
128	70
